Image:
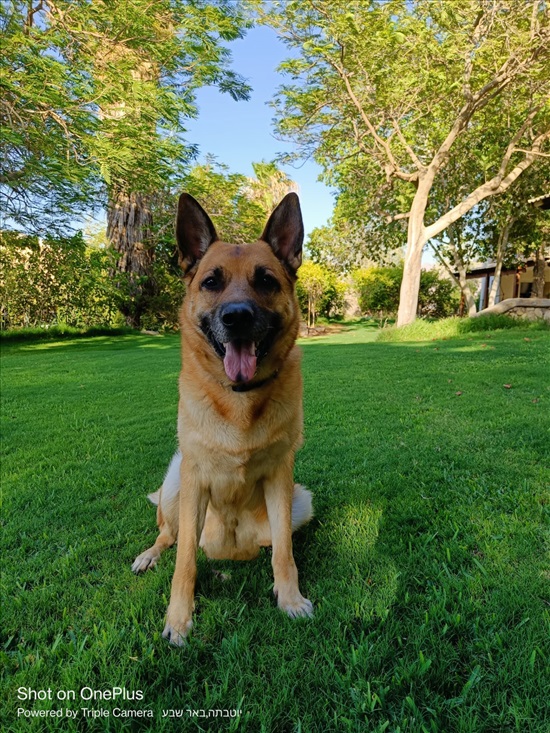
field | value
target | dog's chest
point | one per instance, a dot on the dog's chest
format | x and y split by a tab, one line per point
231	461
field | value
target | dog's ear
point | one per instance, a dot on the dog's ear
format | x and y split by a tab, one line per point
284	232
194	231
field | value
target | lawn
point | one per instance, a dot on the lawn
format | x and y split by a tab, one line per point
426	562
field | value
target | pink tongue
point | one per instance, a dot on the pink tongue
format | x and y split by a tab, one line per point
240	360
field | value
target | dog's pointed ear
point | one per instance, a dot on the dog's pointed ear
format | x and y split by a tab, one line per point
284	232
194	231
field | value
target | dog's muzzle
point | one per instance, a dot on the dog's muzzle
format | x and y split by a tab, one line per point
241	333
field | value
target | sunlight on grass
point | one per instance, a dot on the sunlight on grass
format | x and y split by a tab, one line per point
422	330
425	559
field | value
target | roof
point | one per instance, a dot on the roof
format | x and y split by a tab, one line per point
543	202
488	268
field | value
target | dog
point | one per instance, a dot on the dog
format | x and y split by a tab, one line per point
230	488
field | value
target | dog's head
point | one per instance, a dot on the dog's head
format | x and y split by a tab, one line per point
240	298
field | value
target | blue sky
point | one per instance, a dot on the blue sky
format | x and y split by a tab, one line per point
241	133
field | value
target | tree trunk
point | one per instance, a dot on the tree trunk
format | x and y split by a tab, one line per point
538	274
467	296
499	259
416	239
129	222
467	299
410	285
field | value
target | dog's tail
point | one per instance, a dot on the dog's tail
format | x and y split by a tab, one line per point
154	498
302	509
171	484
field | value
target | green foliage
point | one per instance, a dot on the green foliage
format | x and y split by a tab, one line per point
438	297
96	95
162	313
61	280
319	291
54	281
378	289
416	111
425	560
343	245
48	175
225	196
55	333
238	205
423	330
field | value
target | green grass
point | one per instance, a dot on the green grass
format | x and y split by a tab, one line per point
52	333
425	560
422	330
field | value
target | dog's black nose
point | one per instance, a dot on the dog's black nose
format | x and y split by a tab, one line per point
237	315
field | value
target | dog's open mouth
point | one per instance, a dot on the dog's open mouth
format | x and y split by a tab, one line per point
240	360
241	356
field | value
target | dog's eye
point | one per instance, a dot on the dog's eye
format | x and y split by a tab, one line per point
265	282
212	282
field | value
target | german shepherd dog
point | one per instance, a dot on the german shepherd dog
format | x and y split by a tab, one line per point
230	488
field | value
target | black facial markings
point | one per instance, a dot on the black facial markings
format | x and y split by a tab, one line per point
264	282
213	281
273	330
206	328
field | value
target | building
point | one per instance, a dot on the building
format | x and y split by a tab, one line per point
516	282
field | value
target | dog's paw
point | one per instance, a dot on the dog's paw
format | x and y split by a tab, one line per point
145	561
296	607
177	633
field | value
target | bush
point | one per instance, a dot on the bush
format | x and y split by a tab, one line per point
319	292
438	297
378	290
61	282
162	313
54	281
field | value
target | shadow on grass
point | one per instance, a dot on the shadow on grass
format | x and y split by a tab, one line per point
423	438
424	559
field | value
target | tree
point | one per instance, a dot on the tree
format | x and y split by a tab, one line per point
455	251
48	176
343	246
239	205
318	290
269	186
386	95
130	70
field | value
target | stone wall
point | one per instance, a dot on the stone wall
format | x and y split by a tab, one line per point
529	308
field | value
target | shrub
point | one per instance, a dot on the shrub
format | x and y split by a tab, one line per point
438	297
54	281
378	290
319	292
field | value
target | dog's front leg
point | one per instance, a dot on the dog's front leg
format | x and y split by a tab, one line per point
278	490
193	501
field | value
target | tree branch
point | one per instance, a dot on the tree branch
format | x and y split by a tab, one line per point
498	184
416	161
392	168
397	217
445	264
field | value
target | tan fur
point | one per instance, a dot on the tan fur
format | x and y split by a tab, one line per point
236	487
